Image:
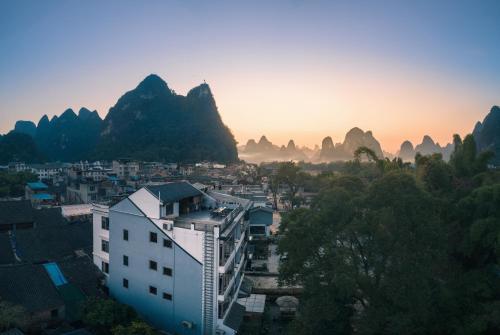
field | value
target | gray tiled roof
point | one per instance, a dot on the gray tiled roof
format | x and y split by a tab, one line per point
28	286
15	211
53	242
172	192
6	254
83	273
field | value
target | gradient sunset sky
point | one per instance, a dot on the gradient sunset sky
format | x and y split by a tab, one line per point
286	69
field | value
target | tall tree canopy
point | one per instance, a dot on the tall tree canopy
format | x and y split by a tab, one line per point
401	251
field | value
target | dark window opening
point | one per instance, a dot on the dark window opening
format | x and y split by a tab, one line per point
125	283
153	237
105	246
167	296
153	265
105	267
105	223
167	271
167	243
125	260
152	290
125	234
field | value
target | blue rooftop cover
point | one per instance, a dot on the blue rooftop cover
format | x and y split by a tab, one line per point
55	274
37	185
43	196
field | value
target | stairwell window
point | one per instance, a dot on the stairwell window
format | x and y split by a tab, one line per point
104	267
153	265
153	237
152	290
125	283
104	223
125	260
105	246
125	234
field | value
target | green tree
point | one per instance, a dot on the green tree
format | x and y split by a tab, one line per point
12	316
465	160
293	177
136	327
101	315
12	184
435	174
370	257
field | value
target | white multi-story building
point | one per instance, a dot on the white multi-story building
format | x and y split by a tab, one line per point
177	255
47	171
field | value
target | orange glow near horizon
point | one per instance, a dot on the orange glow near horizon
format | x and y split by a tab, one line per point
300	70
306	107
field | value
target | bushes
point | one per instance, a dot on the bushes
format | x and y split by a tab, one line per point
106	316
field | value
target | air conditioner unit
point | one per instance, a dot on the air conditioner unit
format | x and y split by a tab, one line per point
168	226
187	324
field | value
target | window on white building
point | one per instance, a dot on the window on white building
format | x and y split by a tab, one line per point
153	237
105	246
153	265
105	223
167	243
167	271
104	267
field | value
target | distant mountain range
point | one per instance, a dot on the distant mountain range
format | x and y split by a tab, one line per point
354	139
486	133
264	150
407	152
150	122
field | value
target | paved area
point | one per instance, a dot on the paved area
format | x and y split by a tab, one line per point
273	260
276	223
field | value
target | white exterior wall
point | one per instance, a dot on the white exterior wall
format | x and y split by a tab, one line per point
185	285
148	203
191	240
99	234
185	259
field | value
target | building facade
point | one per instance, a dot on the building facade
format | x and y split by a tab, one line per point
176	254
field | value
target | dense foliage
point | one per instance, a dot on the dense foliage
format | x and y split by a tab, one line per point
391	249
12	184
109	317
12	316
18	147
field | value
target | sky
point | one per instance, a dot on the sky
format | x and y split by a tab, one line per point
284	69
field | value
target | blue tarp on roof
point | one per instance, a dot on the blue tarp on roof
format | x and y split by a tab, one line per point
43	196
37	185
55	274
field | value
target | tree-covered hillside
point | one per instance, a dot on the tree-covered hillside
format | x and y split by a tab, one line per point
151	122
